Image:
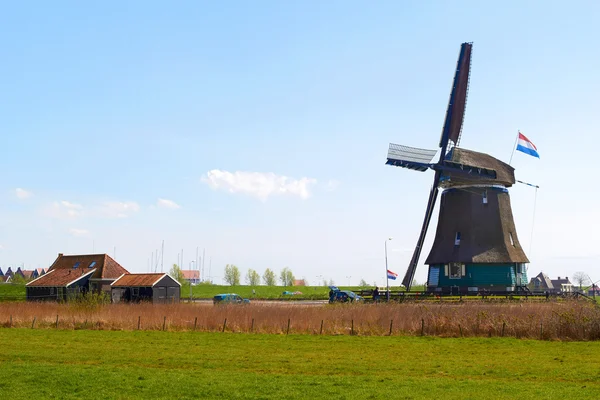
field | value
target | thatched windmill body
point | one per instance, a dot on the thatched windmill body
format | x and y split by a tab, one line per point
476	245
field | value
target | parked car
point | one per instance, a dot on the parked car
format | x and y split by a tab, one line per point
343	296
229	298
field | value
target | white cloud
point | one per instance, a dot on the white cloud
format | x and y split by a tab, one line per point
22	194
119	209
258	184
64	210
78	232
170	204
1	247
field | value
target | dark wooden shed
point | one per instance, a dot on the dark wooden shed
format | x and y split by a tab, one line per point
59	284
155	288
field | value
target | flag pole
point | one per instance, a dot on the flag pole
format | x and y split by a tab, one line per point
387	278
514	147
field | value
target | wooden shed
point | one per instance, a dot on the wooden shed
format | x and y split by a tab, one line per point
155	288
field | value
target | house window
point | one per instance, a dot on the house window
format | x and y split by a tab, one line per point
52	291
457	239
485	197
76	265
455	270
135	291
512	242
92	264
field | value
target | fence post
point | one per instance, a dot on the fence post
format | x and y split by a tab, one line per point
541	329
224	325
352	328
391	326
252	326
503	326
288	328
56	321
460	329
321	331
164	322
422	326
10	323
33	323
139	321
195	322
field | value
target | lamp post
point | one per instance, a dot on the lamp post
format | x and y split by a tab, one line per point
387	281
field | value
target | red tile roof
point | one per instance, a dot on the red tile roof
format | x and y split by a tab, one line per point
138	280
105	266
61	277
191	273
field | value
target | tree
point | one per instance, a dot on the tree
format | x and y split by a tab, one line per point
580	278
252	278
269	277
177	274
363	283
331	282
324	282
286	277
232	275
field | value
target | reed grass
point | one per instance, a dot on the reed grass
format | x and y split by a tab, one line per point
573	320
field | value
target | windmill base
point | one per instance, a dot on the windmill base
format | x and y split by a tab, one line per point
459	278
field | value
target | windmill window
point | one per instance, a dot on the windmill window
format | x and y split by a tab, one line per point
512	242
457	239
456	270
76	265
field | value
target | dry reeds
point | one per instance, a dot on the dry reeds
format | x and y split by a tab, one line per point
573	320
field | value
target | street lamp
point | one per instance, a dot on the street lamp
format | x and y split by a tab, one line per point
387	281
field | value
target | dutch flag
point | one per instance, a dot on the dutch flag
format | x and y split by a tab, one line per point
526	146
391	275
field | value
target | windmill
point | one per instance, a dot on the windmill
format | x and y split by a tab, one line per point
476	245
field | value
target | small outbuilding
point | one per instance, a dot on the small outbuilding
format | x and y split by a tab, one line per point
152	287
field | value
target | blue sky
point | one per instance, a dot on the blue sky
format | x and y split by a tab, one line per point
129	123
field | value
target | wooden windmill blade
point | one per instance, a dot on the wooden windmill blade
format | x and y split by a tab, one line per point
451	132
455	113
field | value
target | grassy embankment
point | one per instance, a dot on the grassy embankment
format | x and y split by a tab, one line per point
12	292
16	292
71	364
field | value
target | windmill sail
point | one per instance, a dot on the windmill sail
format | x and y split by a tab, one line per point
455	112
412	267
410	157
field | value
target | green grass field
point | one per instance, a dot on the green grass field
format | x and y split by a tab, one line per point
71	364
12	292
271	292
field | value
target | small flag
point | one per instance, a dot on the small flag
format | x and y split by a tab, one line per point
526	146
391	275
